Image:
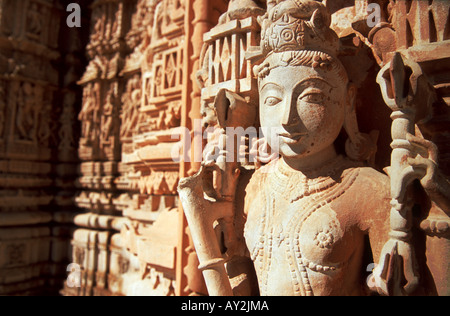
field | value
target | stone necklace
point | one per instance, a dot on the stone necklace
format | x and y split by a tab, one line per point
294	186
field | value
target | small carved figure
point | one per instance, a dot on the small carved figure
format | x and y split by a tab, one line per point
66	135
28	110
8	19
34	20
116	23
2	109
158	82
107	117
46	125
131	101
89	113
97	29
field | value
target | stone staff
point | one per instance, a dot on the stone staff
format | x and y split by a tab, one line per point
201	214
408	93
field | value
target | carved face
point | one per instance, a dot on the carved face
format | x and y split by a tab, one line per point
302	109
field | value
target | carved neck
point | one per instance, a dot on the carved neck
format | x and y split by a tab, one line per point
294	184
314	162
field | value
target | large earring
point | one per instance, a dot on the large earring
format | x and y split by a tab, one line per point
359	146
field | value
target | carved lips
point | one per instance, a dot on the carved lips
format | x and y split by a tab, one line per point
291	138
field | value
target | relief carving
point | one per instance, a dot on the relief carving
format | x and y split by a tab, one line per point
131	101
2	109
67	119
29	106
31	72
108	111
7	16
34	20
89	115
301	224
47	121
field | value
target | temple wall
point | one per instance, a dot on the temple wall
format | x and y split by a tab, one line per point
38	143
136	96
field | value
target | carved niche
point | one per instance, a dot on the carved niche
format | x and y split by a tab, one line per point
131	100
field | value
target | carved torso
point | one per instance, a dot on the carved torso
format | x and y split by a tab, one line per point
305	236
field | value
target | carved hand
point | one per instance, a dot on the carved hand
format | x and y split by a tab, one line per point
424	167
397	272
219	179
396	275
233	111
423	161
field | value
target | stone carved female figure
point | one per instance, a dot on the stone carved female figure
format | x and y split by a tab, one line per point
305	216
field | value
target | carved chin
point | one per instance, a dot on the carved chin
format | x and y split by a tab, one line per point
294	150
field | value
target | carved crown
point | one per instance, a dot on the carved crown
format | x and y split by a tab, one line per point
298	25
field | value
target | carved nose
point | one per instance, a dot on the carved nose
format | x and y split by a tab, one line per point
290	115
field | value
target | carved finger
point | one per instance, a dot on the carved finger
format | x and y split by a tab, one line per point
420	164
211	177
211	156
380	274
425	168
418	146
423	147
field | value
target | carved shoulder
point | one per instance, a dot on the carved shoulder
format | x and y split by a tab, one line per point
372	202
374	181
366	203
372	197
254	187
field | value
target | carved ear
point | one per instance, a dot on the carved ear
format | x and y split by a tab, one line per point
317	19
351	124
233	110
351	94
359	146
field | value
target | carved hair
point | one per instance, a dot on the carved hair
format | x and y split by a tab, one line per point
308	58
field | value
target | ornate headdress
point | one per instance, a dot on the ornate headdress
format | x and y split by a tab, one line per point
303	28
297	32
298	25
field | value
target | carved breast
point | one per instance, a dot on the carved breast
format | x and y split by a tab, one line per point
288	241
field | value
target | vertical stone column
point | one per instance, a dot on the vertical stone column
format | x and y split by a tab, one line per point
420	31
34	208
201	16
100	147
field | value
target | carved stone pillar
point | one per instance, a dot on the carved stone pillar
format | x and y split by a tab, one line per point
100	147
200	18
35	209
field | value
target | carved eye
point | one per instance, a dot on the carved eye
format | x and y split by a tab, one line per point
317	98
271	101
